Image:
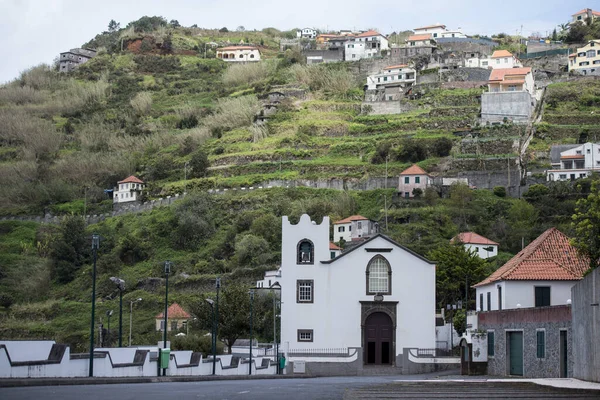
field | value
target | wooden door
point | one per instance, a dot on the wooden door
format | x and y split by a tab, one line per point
378	339
515	343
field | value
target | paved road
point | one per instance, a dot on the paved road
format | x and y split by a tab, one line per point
346	388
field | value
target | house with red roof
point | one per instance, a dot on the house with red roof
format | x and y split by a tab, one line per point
354	228
128	191
511	80
177	318
503	59
583	16
367	44
482	246
586	60
238	54
511	96
540	275
414	177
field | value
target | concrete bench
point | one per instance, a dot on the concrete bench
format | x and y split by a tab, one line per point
266	363
235	361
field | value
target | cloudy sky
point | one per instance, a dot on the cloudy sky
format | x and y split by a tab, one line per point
35	31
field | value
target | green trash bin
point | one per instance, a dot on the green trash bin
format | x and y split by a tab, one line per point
165	355
282	363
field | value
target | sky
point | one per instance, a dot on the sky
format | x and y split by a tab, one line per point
36	31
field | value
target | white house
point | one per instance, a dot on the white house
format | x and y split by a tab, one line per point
434	30
353	228
452	34
503	59
391	82
238	54
512	80
586	60
540	275
378	296
575	163
414	177
334	250
128	190
271	278
306	33
585	14
423	39
482	246
365	45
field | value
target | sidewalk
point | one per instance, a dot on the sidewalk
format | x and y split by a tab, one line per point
565	383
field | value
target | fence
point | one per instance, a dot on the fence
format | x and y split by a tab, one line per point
546	53
332	352
434	353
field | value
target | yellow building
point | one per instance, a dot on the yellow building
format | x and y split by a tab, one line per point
586	60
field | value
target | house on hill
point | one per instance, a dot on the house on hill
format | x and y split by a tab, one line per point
586	60
365	45
128	191
511	96
177	318
379	296
391	83
583	16
433	30
574	162
353	228
69	60
540	275
239	54
306	33
503	59
414	177
482	246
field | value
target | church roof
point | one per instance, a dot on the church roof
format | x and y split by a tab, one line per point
550	257
379	235
350	219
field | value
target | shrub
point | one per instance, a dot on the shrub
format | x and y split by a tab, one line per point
233	113
332	80
411	151
20	95
441	147
248	74
500	191
142	103
199	164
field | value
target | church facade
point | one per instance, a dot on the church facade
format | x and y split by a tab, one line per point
379	295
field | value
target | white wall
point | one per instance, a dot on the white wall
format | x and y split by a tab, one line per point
523	293
479	250
27	350
335	315
346	234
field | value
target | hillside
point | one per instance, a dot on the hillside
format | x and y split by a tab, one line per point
163	106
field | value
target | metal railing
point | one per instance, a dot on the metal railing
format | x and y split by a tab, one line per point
434	353
545	53
329	352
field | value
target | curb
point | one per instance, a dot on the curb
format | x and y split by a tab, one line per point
25	382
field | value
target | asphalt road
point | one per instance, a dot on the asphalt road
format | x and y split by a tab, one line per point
345	388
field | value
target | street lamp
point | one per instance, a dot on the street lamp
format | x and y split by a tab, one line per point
121	286
211	303
216	326
109	314
251	304
167	271
131	303
95	245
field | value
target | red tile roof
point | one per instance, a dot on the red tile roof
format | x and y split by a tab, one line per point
350	219
174	312
500	74
397	66
430	26
577	156
414	170
584	11
501	53
416	38
472	238
550	257
332	246
131	179
233	48
369	33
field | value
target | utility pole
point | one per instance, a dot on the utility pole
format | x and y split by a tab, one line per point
167	271
251	304
95	245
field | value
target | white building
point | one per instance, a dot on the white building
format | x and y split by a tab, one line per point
413	177
128	190
239	54
452	34
306	33
575	163
585	14
379	296
482	246
420	40
391	75
365	45
512	80
271	278
503	59
586	60
540	275
434	30
353	228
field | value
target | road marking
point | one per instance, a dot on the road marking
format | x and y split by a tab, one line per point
244	392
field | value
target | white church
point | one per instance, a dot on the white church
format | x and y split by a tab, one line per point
379	295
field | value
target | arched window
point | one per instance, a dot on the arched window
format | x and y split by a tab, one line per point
379	276
305	252
251	55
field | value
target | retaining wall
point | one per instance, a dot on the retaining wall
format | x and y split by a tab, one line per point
586	327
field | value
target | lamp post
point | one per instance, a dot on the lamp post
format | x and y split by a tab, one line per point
251	304
109	314
216	327
131	303
121	286
167	271
95	245
211	302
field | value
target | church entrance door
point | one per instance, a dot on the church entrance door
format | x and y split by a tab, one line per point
378	339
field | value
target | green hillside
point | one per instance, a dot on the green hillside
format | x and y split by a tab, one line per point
156	103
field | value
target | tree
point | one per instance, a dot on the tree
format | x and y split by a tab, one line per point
241	28
457	270
199	163
460	197
224	30
113	26
194	221
586	224
460	322
554	35
431	195
70	249
234	311
252	250
174	23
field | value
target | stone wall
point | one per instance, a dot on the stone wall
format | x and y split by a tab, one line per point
386	107
466	75
529	320
515	106
586	327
